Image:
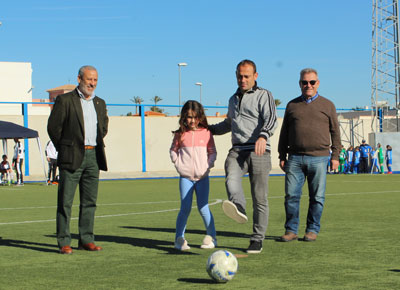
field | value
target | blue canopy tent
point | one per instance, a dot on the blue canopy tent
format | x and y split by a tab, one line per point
10	130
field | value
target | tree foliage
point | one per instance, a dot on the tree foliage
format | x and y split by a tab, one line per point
137	100
154	108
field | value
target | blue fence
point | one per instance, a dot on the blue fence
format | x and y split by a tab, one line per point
25	114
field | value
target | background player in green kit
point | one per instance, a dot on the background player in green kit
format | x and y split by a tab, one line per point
381	158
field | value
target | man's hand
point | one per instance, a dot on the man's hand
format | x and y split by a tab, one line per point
334	164
282	165
261	145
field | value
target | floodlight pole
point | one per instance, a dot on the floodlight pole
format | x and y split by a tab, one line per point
179	68
200	85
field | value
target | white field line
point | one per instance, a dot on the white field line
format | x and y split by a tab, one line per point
217	201
111	215
104	204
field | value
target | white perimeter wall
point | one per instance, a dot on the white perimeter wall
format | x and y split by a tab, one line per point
392	139
124	148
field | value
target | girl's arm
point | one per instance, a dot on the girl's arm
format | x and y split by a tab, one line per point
173	151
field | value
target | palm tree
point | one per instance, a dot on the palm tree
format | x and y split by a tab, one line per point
156	99
137	100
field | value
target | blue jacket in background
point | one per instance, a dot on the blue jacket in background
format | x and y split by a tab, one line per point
365	149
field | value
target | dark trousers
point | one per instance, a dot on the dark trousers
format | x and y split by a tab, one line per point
18	169
363	165
52	169
87	176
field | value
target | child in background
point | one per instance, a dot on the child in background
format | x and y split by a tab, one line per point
5	169
342	159
374	160
193	153
357	156
350	157
328	167
389	158
381	158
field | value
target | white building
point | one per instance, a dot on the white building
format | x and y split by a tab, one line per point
16	86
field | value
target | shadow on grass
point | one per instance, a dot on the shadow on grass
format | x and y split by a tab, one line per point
201	232
41	247
165	246
198	232
197	281
395	270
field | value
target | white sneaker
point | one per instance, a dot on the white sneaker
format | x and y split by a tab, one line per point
181	244
208	242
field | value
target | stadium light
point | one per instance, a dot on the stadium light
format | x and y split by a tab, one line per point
200	85
179	68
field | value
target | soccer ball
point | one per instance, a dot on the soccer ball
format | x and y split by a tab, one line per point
222	266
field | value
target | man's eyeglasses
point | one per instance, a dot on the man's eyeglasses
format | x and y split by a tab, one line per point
304	83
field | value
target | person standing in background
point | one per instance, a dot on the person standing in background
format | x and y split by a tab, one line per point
51	155
365	154
350	159
357	155
381	159
388	157
18	160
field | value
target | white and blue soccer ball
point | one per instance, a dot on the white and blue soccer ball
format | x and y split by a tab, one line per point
222	266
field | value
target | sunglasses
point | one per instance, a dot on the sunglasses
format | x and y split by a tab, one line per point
304	83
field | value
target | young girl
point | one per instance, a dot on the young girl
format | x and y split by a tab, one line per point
193	153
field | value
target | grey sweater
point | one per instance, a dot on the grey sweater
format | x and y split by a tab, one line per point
250	115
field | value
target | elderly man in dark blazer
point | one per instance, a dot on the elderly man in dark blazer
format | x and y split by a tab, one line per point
77	125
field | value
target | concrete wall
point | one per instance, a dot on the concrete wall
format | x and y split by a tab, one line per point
392	139
124	148
16	86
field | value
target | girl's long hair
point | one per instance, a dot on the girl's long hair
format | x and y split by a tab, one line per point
198	109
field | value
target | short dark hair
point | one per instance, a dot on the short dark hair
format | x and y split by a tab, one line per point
248	62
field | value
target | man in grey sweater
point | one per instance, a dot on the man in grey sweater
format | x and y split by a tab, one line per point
252	120
310	129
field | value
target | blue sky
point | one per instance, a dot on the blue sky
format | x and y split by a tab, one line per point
136	46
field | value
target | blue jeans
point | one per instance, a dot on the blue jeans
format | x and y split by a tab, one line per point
298	168
202	189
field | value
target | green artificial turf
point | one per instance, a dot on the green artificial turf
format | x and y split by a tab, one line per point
358	246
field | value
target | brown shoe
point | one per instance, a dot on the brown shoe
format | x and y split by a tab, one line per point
310	237
66	250
90	247
288	237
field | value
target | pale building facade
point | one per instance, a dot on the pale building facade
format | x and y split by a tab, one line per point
16	86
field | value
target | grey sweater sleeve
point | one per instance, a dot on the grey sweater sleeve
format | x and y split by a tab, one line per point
268	111
221	127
